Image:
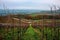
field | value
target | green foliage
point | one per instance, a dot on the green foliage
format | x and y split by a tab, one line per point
30	31
47	33
30	34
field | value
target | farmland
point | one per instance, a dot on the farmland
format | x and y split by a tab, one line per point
30	27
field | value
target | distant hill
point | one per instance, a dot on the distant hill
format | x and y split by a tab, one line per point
26	11
17	11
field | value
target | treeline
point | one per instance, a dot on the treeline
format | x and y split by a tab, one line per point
27	16
37	17
43	17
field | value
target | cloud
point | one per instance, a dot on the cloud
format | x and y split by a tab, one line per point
30	7
56	2
22	1
30	4
14	1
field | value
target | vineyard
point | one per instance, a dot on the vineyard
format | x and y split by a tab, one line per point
30	33
29	19
29	28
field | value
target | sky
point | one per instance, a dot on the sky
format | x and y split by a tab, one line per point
28	4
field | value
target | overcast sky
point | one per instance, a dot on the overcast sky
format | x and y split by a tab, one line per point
29	4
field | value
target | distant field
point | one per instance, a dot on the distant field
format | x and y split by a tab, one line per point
35	20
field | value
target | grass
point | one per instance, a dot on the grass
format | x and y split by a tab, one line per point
30	34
